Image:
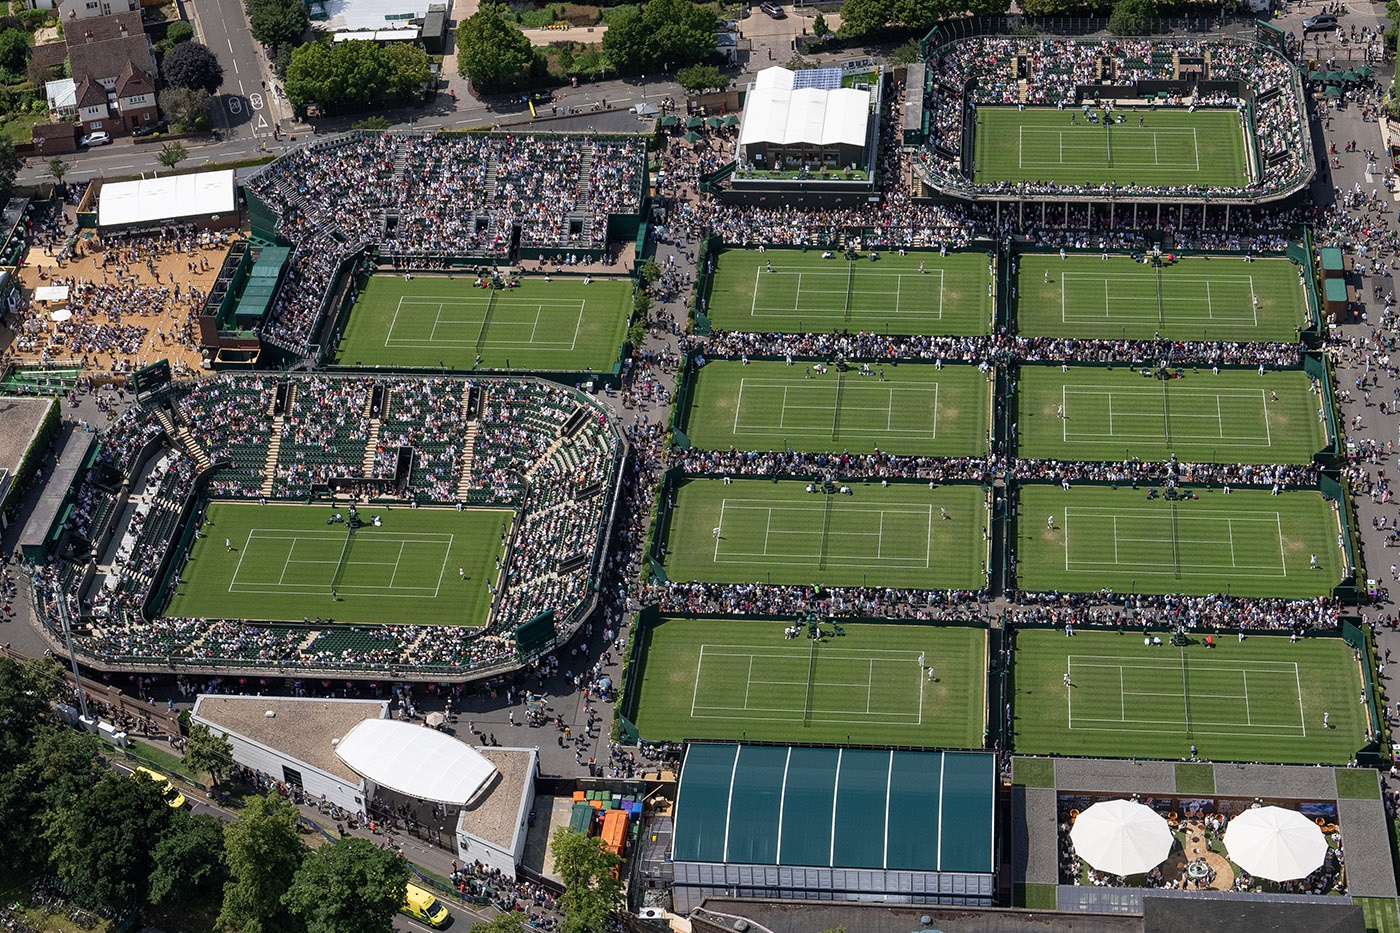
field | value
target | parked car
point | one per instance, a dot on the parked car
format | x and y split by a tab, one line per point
99	138
149	129
726	25
772	9
1320	23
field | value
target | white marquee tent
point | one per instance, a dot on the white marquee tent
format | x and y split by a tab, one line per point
415	761
172	197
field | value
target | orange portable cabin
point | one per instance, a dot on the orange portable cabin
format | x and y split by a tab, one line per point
614	833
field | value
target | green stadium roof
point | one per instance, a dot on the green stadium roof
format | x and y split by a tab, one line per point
848	808
1332	259
1334	290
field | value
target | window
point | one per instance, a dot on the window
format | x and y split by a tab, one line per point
291	776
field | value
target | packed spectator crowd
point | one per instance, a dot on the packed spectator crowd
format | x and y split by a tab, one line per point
560	482
1060	72
426	200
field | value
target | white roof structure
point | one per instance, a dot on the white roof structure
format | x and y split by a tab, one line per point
776	113
152	200
415	761
341	15
61	94
376	35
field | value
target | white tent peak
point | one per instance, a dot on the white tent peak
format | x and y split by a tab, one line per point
415	761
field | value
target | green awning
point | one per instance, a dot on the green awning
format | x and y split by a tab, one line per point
669	120
1333	77
1334	90
731	120
714	123
1317	75
1365	71
1332	259
694	122
1334	290
691	137
1351	76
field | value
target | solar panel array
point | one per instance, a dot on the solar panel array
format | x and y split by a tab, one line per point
823	79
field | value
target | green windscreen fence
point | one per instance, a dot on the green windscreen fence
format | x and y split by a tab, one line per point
535	634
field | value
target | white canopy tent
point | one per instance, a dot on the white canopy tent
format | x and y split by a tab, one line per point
783	116
1274	843
173	197
51	293
415	761
1121	837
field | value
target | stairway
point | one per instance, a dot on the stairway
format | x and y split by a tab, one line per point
464	480
181	439
274	447
371	445
585	174
400	157
488	184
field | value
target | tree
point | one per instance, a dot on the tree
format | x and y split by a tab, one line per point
491	50
102	844
171	155
819	26
698	78
513	922
25	689
186	108
1132	17
179	31
192	65
906	53
859	17
351	884
277	22
61	765
262	853
14	51
206	751
591	893
663	34
408	68
188	860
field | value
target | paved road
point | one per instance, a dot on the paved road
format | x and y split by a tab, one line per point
245	107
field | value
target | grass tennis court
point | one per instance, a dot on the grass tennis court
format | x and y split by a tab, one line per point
1236	416
1261	699
1247	543
1194	298
1149	147
741	679
559	325
286	558
909	409
902	535
805	293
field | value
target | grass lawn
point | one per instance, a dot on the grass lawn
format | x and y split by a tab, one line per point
742	680
1236	416
1033	772
805	293
1262	699
780	533
436	320
1193	778
1193	298
1150	147
1121	540
914	409
1358	784
285	558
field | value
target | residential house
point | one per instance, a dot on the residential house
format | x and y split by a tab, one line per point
113	54
69	10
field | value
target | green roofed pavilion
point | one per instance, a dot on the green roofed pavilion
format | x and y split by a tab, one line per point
856	824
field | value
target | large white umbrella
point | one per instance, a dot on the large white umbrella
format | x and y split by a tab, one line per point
1274	843
1121	837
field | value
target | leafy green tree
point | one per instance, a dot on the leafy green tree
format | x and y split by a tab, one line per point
14	50
663	34
491	50
819	27
698	78
918	15
351	884
25	689
58	168
103	843
277	22
408	66
192	65
207	751
171	155
372	122
186	108
591	894
906	53
188	860
1132	17
61	766
262	852
513	922
179	31
859	17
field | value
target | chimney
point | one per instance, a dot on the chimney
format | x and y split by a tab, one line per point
87	37
124	32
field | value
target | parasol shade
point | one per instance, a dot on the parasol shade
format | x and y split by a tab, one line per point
1274	843
1121	837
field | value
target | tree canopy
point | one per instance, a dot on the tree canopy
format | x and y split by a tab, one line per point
206	751
103	842
914	17
185	108
352	76
188	860
262	853
351	884
491	50
663	34
192	65
277	22
591	892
